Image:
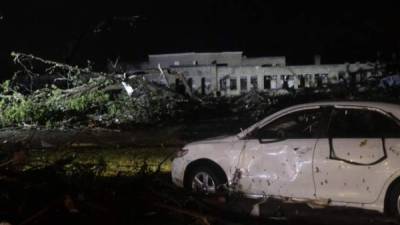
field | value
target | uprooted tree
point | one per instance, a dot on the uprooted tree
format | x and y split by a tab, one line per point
52	94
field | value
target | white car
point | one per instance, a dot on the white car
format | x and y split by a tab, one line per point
326	153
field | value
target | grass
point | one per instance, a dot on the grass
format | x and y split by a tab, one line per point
104	162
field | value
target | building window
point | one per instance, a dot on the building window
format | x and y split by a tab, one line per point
325	79
190	83
203	86
302	81
179	86
318	80
222	84
274	82
267	82
233	84
243	84
285	80
308	80
290	81
254	82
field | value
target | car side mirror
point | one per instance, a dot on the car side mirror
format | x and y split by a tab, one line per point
281	134
259	137
277	136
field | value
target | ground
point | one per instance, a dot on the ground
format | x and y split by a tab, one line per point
86	184
148	199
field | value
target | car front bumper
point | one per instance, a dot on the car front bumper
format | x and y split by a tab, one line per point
178	171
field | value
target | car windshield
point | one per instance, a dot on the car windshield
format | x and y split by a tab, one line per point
299	124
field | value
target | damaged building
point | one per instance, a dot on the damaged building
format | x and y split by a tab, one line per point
232	73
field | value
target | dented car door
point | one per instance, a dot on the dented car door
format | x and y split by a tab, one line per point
277	158
350	164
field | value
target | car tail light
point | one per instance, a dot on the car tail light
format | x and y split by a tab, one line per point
181	153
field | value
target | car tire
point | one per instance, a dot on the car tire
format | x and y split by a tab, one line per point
204	180
393	201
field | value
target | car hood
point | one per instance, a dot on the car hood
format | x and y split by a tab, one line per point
218	139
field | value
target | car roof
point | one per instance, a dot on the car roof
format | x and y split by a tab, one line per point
387	107
391	108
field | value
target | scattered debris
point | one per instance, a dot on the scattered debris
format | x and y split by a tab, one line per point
390	81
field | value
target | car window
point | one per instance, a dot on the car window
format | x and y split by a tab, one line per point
301	124
385	126
358	123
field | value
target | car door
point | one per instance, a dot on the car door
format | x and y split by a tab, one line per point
277	159
350	165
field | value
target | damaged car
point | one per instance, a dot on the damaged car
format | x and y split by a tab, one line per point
326	153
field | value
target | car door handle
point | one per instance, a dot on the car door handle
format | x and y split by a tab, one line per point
302	149
395	149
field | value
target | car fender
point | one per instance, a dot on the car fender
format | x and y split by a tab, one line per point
226	159
384	190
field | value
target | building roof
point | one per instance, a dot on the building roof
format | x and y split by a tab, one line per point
232	58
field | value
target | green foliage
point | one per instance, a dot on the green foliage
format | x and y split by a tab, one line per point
47	106
78	96
14	110
5	86
55	107
89	163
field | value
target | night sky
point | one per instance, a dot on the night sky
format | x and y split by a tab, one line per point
74	33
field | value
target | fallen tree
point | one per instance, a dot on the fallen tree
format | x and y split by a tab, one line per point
52	94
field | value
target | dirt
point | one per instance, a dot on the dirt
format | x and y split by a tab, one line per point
126	185
47	196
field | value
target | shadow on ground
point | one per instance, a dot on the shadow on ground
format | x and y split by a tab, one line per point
46	196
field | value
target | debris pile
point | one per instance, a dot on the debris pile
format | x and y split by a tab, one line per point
51	94
254	103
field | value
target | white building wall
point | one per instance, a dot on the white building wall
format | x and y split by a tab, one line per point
235	58
259	61
195	58
213	74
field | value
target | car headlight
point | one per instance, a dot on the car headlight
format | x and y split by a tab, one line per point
181	152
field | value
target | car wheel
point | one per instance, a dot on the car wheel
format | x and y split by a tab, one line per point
204	180
393	203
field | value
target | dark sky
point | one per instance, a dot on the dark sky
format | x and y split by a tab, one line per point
63	31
